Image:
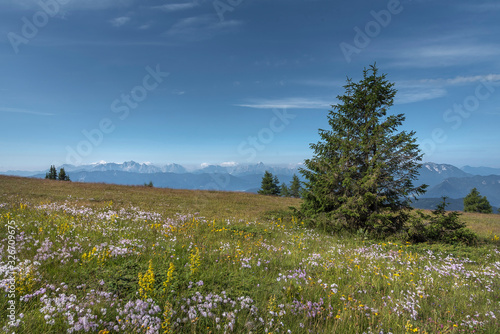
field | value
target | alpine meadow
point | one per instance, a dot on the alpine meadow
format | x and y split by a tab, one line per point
124	259
344	254
249	167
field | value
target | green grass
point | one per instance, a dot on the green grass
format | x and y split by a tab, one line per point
140	259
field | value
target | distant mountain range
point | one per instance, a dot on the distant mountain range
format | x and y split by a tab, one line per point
443	179
128	166
455	183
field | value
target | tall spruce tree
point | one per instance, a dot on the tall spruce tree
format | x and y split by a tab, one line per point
270	185
474	202
362	172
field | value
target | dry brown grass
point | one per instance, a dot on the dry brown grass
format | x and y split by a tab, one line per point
210	204
485	225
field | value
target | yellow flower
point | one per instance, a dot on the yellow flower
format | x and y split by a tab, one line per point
170	274
147	282
194	260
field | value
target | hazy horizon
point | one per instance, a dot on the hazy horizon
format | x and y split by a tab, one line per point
196	166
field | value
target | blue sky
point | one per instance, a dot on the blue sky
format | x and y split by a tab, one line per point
240	81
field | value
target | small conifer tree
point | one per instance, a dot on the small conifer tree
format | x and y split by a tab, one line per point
52	174
62	175
295	187
270	185
474	202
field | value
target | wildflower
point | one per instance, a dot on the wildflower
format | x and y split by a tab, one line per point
170	274
194	260
146	282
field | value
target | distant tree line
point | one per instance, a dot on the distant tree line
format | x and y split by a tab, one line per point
271	186
53	175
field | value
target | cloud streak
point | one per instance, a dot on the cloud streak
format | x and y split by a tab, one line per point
72	4
119	21
200	27
430	56
24	111
174	7
418	94
429	89
464	79
288	103
481	7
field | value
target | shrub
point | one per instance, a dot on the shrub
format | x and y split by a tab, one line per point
441	226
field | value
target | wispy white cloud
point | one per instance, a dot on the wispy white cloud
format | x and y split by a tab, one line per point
444	55
288	103
320	83
103	42
70	5
454	51
174	7
119	21
463	79
24	111
481	7
417	94
411	91
200	27
458	44
145	26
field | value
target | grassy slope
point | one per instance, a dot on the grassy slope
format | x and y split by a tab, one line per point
297	280
213	204
210	204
